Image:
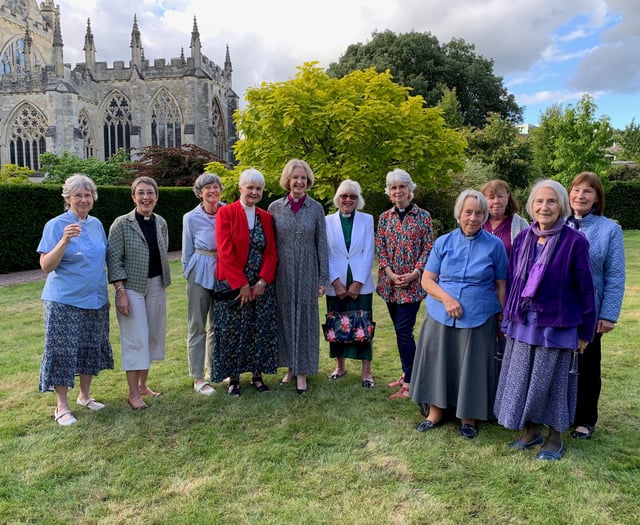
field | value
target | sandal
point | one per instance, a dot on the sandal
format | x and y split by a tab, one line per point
234	388
397	383
262	387
64	418
204	388
90	403
583	435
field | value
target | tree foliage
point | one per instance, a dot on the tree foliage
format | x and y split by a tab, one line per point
359	126
420	61
630	141
501	146
571	139
110	172
14	174
171	166
451	110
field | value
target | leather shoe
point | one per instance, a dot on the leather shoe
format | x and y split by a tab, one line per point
427	424
518	444
549	455
583	435
468	431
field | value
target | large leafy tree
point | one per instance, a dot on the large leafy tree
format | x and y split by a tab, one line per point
500	146
571	139
359	126
420	61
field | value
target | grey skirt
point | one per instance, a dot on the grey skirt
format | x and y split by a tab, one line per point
456	367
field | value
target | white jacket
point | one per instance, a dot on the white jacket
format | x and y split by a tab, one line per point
359	256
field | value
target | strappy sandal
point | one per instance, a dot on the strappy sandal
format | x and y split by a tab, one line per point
262	387
234	388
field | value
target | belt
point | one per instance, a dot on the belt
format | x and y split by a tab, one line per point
208	253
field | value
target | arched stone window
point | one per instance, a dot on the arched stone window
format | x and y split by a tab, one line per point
26	134
219	133
117	125
166	121
84	127
12	58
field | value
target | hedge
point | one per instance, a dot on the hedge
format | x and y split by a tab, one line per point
24	210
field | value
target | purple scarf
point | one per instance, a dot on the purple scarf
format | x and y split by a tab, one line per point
526	282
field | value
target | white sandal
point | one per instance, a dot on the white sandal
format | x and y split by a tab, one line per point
64	418
91	404
204	388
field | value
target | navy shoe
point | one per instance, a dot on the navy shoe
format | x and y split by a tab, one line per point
548	455
468	431
521	445
427	425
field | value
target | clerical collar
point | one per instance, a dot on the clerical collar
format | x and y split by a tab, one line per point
144	217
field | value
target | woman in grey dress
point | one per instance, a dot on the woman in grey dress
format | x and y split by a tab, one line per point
302	274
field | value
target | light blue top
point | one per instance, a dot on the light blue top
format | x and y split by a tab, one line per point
606	251
80	279
199	233
467	269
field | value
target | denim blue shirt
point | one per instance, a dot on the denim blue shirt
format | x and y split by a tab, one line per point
80	279
467	269
199	233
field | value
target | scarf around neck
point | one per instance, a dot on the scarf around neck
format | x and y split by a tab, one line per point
526	282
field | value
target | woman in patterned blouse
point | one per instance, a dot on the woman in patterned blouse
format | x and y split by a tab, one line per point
403	243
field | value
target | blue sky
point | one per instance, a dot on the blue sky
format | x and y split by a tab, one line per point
547	51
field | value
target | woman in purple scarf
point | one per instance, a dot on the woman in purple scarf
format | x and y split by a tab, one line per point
549	314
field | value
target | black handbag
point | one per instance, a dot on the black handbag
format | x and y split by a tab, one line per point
222	290
353	326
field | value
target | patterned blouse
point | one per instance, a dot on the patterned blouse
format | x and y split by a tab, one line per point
404	246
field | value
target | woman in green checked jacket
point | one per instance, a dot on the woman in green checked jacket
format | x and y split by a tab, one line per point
138	266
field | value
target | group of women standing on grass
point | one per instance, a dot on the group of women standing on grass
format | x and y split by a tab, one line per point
498	292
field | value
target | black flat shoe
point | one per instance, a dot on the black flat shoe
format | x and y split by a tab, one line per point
583	435
301	391
468	431
234	388
262	387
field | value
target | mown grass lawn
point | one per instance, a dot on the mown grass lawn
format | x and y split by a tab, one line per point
341	454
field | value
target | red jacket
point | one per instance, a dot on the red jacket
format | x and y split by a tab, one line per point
232	237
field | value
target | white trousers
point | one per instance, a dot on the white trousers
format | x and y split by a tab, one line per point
143	332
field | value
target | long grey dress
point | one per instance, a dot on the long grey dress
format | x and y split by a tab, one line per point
303	265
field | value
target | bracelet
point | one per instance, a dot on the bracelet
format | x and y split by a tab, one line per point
261	282
118	288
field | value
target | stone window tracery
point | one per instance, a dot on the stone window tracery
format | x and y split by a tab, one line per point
84	126
117	125
27	137
166	121
219	133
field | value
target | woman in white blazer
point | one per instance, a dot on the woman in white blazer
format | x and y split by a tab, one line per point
350	237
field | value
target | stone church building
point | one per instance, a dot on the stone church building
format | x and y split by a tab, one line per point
92	110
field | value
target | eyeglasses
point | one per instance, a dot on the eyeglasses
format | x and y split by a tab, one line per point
149	193
350	196
80	196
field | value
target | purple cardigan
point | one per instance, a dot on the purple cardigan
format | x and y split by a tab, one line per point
566	296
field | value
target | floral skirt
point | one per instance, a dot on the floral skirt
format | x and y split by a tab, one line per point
76	341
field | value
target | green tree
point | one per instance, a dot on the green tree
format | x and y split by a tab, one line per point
500	145
451	110
420	61
14	174
170	166
359	126
571	139
110	172
630	142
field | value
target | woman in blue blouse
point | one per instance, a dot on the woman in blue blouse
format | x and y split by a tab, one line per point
465	282
76	308
606	252
199	256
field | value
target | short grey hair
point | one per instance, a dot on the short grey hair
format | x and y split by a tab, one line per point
251	176
561	194
349	185
204	180
78	181
473	194
144	180
398	175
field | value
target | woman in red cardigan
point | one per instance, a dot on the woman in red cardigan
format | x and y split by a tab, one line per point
245	302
